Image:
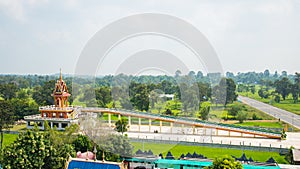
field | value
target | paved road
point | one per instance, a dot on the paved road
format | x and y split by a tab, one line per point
283	115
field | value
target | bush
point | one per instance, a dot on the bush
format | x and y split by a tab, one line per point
241	116
224	163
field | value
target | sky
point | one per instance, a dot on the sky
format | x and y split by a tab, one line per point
41	36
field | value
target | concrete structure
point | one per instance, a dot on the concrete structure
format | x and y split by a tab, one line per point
60	115
193	123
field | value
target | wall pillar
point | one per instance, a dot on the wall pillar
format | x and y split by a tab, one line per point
193	129
160	126
139	124
149	125
59	125
129	122
171	127
109	119
217	132
182	128
204	131
229	133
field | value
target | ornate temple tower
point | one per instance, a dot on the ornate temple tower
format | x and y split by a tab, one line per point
59	115
61	93
60	109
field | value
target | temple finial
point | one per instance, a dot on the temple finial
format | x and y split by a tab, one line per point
60	76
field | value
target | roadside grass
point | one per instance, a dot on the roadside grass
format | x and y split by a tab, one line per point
287	104
220	112
209	152
9	138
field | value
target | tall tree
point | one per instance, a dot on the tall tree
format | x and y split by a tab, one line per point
8	91
224	92
283	87
140	96
42	94
6	117
103	96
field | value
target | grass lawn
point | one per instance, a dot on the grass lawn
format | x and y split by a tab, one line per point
209	152
262	124
9	138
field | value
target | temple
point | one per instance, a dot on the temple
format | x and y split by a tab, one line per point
59	115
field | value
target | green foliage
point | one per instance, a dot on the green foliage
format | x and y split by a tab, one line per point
34	149
8	91
263	93
140	96
42	94
28	151
114	146
277	99
6	117
103	96
121	125
225	163
235	109
224	92
204	110
283	87
241	116
82	143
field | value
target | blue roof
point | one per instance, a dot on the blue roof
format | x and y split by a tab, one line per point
74	164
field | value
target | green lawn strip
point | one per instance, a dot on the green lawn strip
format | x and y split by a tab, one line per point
261	124
9	138
209	152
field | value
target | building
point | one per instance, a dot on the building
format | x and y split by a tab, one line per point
59	115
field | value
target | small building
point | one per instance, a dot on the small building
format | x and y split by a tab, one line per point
59	115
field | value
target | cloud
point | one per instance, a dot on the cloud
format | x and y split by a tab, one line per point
13	8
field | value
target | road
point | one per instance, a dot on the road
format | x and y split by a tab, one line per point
283	115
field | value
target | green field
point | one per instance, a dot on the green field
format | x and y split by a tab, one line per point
209	152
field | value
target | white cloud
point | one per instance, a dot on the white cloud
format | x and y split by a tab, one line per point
13	8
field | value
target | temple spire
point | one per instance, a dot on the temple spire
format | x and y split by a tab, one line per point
60	76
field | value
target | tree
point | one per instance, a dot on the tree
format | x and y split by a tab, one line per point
8	91
103	96
140	96
266	73
283	87
42	94
177	73
82	143
241	116
6	117
204	110
225	163
224	92
34	149
235	109
121	125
